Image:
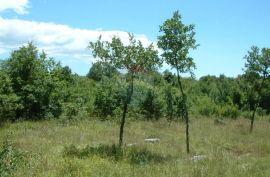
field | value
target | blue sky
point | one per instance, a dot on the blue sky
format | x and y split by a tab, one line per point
226	29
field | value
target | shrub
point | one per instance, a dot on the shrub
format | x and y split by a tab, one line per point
152	106
228	111
104	151
261	111
10	158
206	106
9	101
108	97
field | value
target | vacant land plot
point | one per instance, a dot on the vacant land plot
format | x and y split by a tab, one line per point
86	148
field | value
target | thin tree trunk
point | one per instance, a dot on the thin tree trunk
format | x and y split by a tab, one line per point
185	110
256	105
253	118
127	101
122	125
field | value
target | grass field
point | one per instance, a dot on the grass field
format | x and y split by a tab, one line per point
228	150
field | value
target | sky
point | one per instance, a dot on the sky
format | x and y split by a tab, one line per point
225	29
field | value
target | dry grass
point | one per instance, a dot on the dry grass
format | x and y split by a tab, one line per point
229	149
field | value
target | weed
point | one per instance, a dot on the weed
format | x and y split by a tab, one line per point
10	158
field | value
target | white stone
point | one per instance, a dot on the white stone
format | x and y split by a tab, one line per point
198	157
152	140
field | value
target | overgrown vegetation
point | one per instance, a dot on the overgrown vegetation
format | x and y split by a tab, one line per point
10	158
229	149
68	123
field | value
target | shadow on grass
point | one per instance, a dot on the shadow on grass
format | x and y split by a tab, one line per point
133	155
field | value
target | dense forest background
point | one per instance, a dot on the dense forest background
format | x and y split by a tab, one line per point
34	86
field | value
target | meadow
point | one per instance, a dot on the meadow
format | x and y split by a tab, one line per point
86	148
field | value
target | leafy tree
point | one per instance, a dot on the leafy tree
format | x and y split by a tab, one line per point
176	41
108	97
9	101
257	71
133	58
152	105
265	98
82	94
168	76
169	102
37	80
101	69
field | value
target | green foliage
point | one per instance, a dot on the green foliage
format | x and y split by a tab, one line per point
109	97
9	101
257	72
142	156
168	76
228	111
176	41
133	57
102	69
133	155
228	149
206	106
105	151
37	82
10	158
152	105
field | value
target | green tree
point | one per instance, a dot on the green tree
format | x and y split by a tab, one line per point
257	71
101	69
176	41
152	105
9	101
133	58
168	76
37	80
108	97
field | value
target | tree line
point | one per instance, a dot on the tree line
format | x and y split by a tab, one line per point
127	82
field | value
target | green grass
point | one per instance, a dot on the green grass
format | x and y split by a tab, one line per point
230	150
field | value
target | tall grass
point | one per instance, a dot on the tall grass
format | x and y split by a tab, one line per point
85	148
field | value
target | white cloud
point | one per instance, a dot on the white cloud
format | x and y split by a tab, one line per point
19	6
60	41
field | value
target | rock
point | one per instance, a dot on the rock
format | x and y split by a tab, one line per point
198	157
152	140
131	144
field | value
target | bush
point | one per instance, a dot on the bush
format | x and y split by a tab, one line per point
10	158
228	111
261	112
133	155
104	151
152	106
206	106
143	156
9	101
108	98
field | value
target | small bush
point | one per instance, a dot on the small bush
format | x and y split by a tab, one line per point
261	112
100	150
71	110
152	106
133	155
228	111
206	106
143	156
10	158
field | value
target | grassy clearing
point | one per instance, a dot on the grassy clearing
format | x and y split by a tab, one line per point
229	149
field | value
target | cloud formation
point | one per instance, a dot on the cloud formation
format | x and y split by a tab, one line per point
18	6
59	41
